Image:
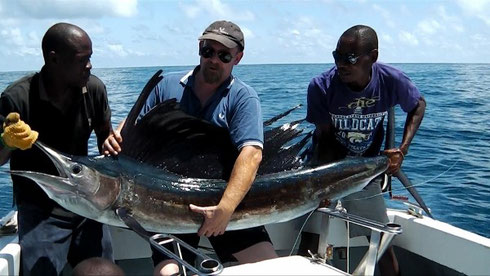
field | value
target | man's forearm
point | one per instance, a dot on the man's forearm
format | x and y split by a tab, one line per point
121	125
242	177
414	119
102	133
4	155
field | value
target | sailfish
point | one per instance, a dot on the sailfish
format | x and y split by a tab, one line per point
170	159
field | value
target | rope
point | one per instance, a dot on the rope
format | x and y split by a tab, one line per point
413	185
300	231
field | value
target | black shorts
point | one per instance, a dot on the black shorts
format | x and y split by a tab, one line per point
224	245
50	239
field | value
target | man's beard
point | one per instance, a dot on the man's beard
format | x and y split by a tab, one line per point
212	77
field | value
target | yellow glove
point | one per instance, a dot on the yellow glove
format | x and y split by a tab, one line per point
18	134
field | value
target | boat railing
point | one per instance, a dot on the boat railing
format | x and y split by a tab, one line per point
205	266
377	245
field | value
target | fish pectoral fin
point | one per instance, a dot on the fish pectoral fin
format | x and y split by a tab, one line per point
125	215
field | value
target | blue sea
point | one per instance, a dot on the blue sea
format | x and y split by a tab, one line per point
449	159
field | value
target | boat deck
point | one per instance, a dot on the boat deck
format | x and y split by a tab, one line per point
426	246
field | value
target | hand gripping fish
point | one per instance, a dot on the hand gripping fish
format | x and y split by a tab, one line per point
171	159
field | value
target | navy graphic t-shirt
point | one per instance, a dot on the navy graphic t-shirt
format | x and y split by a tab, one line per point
357	117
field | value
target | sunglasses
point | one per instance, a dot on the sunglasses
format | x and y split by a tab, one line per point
348	58
208	52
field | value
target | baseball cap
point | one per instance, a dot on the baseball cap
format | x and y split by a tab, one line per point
225	32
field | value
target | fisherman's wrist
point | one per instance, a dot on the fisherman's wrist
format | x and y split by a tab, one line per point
5	146
404	150
228	206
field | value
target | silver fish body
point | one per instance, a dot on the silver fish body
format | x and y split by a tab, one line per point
95	187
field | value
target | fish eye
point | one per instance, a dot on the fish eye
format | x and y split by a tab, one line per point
76	169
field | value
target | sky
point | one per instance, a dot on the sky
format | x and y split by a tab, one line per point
138	33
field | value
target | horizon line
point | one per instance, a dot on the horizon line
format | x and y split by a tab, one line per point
252	64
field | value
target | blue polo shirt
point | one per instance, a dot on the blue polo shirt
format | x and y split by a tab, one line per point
234	106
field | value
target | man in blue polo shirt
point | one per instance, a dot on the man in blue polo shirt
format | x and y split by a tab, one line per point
212	93
348	104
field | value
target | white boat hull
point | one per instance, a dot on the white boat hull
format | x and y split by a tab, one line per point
441	243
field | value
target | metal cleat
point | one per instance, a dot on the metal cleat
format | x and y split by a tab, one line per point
414	209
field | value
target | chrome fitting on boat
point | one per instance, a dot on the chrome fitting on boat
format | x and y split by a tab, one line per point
414	209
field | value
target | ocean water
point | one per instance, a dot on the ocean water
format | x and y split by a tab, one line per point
449	159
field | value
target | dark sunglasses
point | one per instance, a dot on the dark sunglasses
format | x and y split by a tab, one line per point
208	52
348	58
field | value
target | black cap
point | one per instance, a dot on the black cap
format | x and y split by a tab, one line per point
226	33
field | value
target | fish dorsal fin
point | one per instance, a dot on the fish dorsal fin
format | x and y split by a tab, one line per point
140	102
280	116
168	138
280	151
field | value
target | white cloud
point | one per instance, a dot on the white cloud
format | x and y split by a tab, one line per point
404	10
386	14
16	43
477	8
191	11
473	5
117	49
408	38
94	29
429	26
14	36
485	18
126	8
247	33
76	8
478	40
452	47
216	9
452	22
120	51
441	12
386	38
303	38
32	36
458	28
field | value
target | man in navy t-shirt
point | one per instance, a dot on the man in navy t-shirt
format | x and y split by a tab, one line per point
348	105
212	93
